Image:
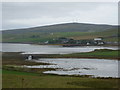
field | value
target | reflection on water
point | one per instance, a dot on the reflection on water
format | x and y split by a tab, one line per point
48	49
96	67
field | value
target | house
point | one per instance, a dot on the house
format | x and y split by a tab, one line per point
63	40
101	43
29	57
46	42
98	39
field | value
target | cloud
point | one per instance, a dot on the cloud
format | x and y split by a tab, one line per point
20	15
40	21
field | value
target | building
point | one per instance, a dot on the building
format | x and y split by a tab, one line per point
29	57
98	39
46	42
63	40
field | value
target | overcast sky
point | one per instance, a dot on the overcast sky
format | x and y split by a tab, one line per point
23	15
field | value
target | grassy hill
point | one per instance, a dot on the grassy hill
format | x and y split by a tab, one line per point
65	27
76	31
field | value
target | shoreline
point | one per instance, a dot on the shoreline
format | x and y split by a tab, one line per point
63	45
88	58
38	56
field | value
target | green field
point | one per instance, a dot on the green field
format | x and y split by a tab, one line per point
18	72
13	79
102	54
41	37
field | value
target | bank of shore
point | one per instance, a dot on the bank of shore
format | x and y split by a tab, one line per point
96	54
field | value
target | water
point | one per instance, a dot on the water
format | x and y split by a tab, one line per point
48	49
94	67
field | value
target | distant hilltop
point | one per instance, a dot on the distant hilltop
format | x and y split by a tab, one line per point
64	27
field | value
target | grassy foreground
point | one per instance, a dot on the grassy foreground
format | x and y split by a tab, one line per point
16	79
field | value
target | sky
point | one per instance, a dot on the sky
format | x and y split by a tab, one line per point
31	14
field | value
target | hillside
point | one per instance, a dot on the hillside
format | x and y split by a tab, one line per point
76	31
66	27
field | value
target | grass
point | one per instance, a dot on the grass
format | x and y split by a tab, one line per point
19	59
103	53
42	37
15	58
13	79
18	72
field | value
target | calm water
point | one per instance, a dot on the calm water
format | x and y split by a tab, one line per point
95	67
48	49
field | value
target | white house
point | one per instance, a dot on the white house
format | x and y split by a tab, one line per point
29	57
97	39
46	42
